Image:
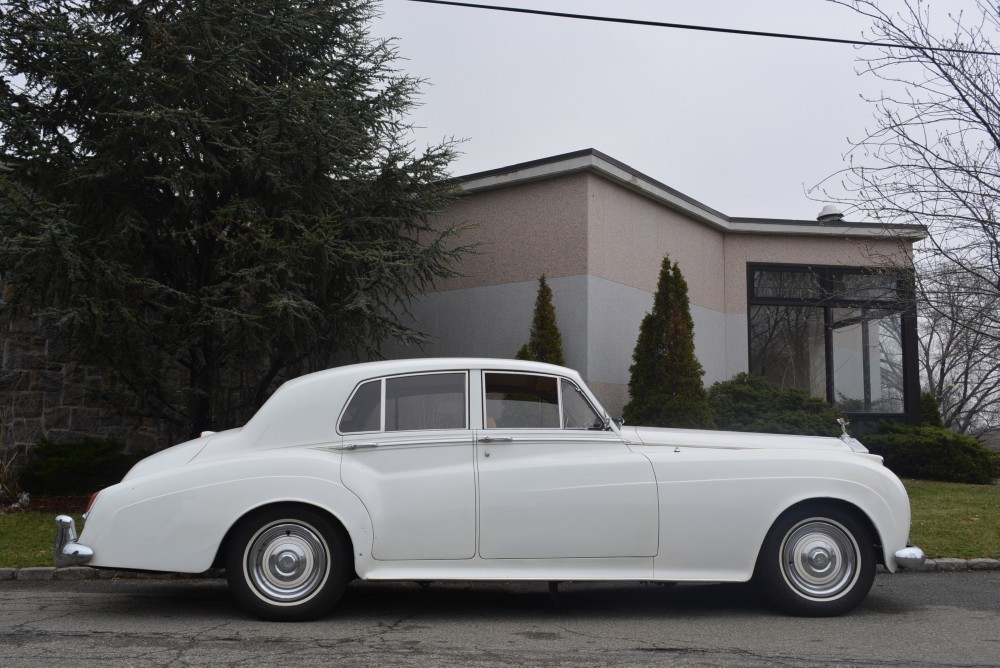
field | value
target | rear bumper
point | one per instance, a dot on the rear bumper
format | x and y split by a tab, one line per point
69	552
910	557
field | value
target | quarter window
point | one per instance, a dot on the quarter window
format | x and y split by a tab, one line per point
364	411
577	411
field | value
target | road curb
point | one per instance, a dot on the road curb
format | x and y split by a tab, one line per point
946	565
86	573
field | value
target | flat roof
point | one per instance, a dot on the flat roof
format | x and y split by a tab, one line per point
593	161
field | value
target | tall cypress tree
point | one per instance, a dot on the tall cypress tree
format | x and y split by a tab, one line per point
665	384
208	195
545	342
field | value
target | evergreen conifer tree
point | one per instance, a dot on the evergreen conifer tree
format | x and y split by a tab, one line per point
665	384
206	196
545	342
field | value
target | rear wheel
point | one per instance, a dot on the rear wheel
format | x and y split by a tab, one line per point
287	563
817	562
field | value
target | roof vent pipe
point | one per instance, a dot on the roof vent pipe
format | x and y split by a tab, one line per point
830	214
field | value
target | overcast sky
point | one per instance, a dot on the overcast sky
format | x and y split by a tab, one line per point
742	124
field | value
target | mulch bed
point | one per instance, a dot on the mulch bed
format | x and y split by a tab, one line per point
58	504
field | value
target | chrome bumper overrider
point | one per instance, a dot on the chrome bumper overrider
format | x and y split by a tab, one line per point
910	557
68	552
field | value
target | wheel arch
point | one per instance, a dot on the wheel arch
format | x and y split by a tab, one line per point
291	505
820	503
816	559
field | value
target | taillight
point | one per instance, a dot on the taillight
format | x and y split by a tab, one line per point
90	503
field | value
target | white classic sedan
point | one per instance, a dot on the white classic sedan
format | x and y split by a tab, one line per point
486	469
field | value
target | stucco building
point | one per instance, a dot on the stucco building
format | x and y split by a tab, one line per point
814	304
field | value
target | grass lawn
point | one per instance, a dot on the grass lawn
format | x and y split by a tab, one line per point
949	520
28	538
953	520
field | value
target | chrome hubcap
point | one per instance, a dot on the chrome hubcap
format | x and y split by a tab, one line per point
287	562
820	558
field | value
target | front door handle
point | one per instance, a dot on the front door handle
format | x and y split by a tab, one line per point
497	439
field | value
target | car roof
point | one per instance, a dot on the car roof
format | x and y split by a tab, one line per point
425	364
305	409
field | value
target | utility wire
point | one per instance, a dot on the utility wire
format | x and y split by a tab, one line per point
682	26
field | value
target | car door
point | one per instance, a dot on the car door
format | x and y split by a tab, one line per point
554	482
409	455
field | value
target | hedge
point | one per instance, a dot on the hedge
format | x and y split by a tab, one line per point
932	453
75	467
752	403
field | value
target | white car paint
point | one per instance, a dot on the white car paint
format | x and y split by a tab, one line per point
488	503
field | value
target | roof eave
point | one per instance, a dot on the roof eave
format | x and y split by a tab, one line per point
595	162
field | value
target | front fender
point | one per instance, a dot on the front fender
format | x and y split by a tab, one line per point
716	507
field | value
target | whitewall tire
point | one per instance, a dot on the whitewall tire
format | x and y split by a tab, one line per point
287	563
817	561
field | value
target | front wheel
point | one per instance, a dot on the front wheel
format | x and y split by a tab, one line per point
817	562
287	563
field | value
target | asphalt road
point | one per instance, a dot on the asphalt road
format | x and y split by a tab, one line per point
918	619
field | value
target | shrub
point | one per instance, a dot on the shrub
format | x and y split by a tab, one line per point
665	380
9	489
75	467
747	402
930	411
932	453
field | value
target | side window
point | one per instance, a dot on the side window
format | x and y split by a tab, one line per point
577	411
364	411
433	401
521	401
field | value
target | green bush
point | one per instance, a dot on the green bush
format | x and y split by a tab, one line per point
932	453
75	467
747	402
930	411
665	380
995	459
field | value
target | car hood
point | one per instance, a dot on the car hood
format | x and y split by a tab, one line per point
734	440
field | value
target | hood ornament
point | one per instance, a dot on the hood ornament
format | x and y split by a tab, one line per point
853	443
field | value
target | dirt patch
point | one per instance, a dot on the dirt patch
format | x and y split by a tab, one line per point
58	504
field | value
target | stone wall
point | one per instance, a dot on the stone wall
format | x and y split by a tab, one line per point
44	393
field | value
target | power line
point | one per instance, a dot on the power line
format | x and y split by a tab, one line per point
682	26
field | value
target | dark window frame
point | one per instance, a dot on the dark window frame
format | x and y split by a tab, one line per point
382	380
903	303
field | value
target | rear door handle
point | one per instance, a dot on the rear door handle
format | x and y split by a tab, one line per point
497	439
358	446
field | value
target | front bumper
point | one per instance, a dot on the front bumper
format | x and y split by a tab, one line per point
910	557
68	552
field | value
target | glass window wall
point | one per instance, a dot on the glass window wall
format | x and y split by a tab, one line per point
835	333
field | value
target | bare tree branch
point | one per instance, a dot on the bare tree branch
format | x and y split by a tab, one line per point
933	159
